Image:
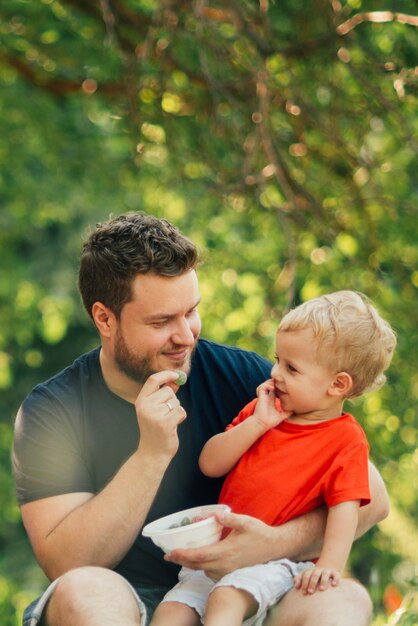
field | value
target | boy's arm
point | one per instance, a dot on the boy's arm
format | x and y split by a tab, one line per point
339	536
222	452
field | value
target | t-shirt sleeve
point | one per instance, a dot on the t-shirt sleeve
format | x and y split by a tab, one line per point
47	455
348	476
243	414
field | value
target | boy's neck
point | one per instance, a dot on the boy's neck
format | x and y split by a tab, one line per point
318	416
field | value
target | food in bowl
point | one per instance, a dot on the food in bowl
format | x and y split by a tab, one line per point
186	521
191	528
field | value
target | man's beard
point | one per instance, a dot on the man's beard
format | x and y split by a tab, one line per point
138	368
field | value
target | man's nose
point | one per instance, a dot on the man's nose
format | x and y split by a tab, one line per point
183	334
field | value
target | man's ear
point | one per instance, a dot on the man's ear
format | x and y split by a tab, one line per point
103	318
341	384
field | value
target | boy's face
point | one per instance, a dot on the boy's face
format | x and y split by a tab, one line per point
301	381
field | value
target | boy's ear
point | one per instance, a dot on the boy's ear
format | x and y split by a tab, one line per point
341	384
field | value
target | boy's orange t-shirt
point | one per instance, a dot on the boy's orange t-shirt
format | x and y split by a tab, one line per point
295	468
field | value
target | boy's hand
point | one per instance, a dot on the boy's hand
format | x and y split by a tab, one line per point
320	578
268	413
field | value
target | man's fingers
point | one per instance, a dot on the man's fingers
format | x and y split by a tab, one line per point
199	558
194	557
155	381
233	521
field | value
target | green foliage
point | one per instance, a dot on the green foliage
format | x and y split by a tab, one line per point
280	136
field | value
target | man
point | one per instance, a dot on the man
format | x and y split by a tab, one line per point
105	447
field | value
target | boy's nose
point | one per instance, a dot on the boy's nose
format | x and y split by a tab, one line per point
275	371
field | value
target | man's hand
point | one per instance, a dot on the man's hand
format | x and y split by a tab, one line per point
248	543
159	413
320	578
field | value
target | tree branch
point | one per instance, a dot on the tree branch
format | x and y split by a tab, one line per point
376	17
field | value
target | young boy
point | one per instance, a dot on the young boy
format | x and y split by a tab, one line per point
291	450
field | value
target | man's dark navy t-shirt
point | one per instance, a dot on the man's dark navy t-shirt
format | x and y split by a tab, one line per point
72	435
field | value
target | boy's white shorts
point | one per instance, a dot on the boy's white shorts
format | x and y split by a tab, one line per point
267	583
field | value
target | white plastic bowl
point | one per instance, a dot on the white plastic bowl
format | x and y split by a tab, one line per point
194	535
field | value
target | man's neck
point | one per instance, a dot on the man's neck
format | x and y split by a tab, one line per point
119	383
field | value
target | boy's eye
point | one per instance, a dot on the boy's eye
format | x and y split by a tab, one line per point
291	368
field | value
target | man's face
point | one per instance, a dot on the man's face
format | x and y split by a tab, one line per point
158	329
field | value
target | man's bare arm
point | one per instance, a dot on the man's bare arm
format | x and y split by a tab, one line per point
379	506
76	529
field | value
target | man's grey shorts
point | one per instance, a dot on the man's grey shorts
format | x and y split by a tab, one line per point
147	598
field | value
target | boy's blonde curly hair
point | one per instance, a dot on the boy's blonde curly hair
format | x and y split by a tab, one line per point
351	336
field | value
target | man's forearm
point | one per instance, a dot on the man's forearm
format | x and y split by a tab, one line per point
378	509
101	529
301	538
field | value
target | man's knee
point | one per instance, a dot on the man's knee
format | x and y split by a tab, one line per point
355	592
348	604
88	581
89	591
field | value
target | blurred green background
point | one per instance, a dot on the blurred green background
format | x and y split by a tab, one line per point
281	136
